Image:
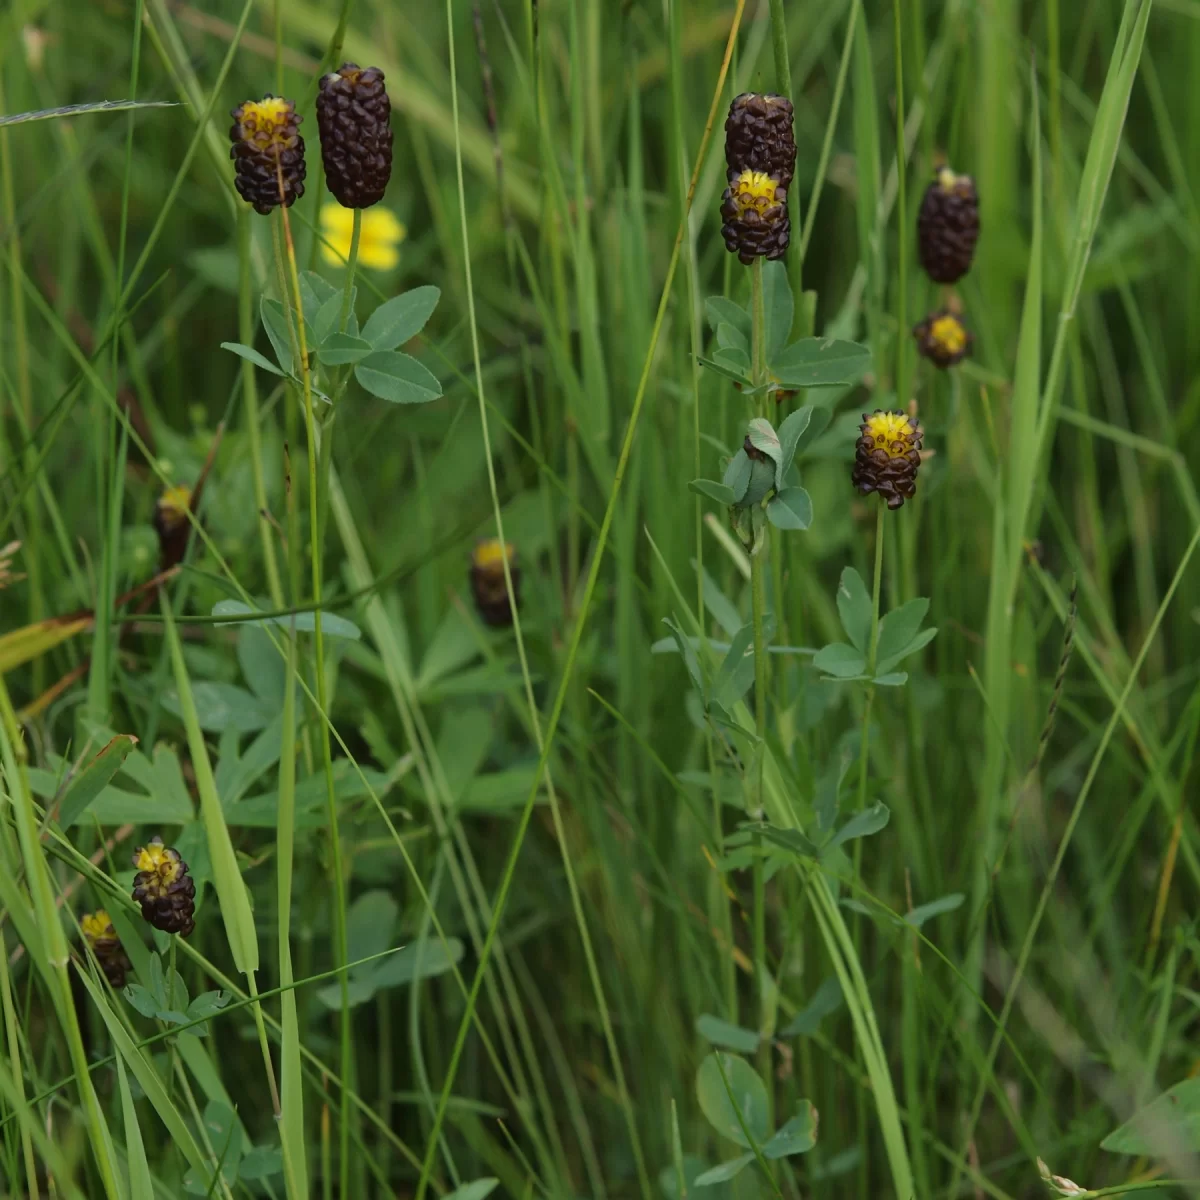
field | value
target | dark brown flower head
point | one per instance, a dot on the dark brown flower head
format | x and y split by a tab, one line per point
172	525
948	226
103	942
353	117
755	216
943	338
487	581
164	889
759	137
267	146
887	456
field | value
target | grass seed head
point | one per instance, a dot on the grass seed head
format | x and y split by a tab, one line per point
267	144
164	889
353	118
887	456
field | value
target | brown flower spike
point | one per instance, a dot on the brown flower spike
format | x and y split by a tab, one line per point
943	338
760	156
172	525
267	152
948	226
103	942
164	889
353	118
487	581
887	456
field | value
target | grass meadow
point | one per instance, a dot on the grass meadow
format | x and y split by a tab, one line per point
735	835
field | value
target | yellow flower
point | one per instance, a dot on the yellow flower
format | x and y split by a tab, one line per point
755	190
378	243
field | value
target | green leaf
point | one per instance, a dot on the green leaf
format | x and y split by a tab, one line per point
329	315
899	627
475	1190
397	378
724	1171
370	925
743	1102
778	307
1169	1124
825	1000
791	509
140	999
275	322
340	348
261	1162
923	912
315	290
141	1184
303	622
796	1136
794	425
918	643
737	374
259	360
718	309
418	962
722	1033
892	679
820	362
688	653
400	319
791	840
740	653
93	778
735	359
207	1004
221	706
713	490
862	824
737	474
225	1136
729	337
840	660
763	437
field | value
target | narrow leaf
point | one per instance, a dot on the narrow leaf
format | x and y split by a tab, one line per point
724	1171
400	319
722	1033
713	490
854	608
862	824
252	355
93	778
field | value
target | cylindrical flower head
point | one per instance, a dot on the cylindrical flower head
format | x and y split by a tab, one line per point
267	145
102	938
948	226
487	581
887	456
353	117
759	137
943	338
755	215
172	525
164	889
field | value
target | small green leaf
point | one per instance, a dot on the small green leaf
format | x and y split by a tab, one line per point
718	309
722	1033
735	359
315	290
140	999
1169	1123
207	1004
93	778
862	824
275	322
724	690
398	378
796	1136
791	840
794	425
400	319
476	1190
820	362
778	307
252	355
825	1000
304	622
329	315
261	1162
730	337
900	626
338	349
892	679
417	962
742	1102
854	608
736	374
688	653
724	1171
923	912
713	490
840	660
738	474
791	509
918	643
763	437
221	706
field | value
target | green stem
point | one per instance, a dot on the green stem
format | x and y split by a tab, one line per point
873	651
902	218
337	882
351	267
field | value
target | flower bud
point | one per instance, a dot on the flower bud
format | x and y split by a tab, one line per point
268	153
353	118
164	889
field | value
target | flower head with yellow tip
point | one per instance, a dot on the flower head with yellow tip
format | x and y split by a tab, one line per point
172	525
760	158
164	889
948	226
943	338
104	943
268	153
380	235
887	456
487	580
353	115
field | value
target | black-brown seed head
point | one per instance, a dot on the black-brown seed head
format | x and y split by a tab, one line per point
172	525
103	942
887	456
164	889
759	136
943	338
267	153
487	580
755	216
353	117
948	226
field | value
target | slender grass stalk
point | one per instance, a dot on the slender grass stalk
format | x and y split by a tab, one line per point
351	268
23	1112
865	736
